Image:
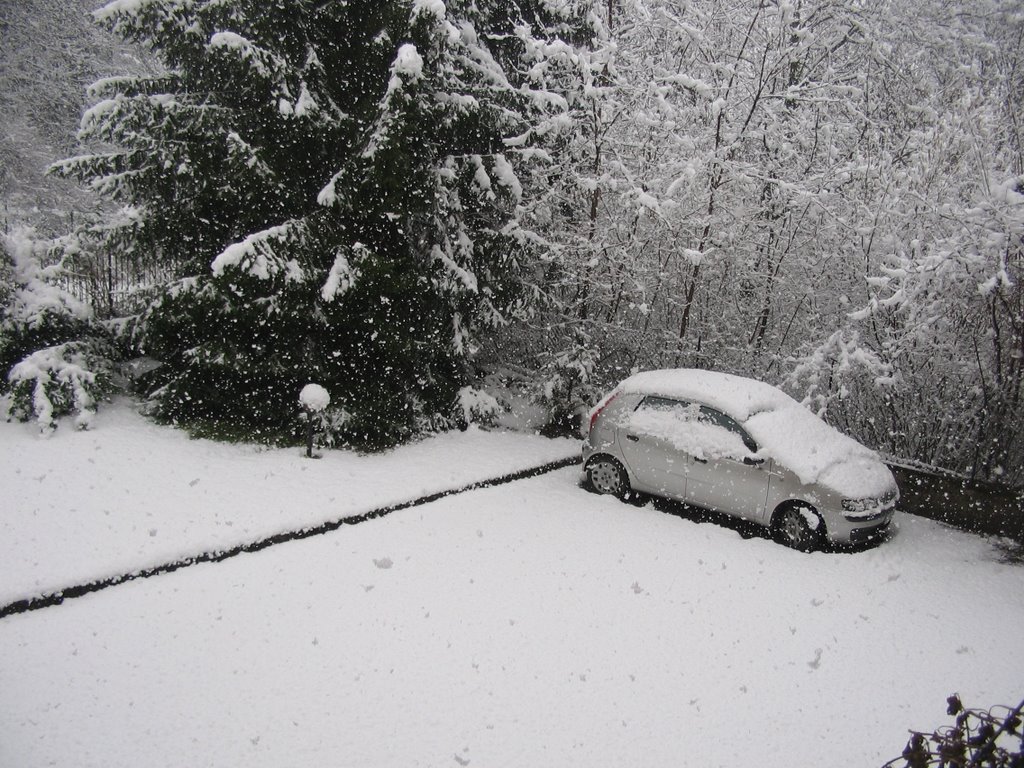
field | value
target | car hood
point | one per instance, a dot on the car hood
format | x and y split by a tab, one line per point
818	454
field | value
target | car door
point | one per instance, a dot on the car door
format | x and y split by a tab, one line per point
729	480
645	441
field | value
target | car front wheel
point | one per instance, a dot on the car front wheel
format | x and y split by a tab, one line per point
606	475
798	527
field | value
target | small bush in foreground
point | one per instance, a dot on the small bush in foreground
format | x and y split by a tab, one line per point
978	739
59	381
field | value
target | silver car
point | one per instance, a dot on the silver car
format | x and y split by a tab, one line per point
742	447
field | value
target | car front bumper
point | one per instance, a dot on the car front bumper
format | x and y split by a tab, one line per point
843	530
870	533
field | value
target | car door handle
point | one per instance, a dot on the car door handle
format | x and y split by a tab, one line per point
633	438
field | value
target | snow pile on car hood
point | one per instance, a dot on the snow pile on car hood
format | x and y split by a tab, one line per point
817	453
783	429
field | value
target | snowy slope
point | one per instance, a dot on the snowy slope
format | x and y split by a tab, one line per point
532	624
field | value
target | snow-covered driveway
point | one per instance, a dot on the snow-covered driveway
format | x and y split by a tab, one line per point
532	624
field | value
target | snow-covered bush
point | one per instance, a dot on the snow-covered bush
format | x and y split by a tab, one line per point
566	387
332	423
58	381
478	406
834	368
35	312
54	361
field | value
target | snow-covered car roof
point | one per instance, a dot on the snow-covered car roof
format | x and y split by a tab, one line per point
784	429
737	396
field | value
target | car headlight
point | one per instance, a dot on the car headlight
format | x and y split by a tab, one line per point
859	505
864	510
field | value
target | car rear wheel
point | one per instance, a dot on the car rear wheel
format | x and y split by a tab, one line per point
606	475
794	528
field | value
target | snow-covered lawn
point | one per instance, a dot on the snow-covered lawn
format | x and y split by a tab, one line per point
532	624
81	506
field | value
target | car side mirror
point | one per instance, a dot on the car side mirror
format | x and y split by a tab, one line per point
752	461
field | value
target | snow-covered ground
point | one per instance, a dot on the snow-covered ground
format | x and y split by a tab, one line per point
532	624
80	506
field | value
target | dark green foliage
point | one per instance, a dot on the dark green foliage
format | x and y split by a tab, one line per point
328	185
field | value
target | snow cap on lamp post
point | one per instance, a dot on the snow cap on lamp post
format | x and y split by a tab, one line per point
314	398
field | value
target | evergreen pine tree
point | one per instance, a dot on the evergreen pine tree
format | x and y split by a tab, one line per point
333	187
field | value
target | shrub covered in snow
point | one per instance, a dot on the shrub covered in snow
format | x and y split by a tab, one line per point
35	312
478	405
566	387
54	361
978	737
58	381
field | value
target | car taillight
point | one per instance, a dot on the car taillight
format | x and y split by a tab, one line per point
600	407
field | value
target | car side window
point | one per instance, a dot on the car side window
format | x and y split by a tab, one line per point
662	405
678	411
695	429
728	422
